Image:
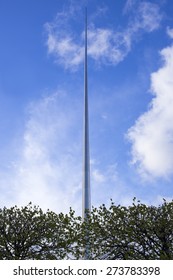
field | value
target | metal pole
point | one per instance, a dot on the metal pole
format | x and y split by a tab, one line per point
86	206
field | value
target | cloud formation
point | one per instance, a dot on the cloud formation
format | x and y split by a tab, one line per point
48	168
46	155
170	32
152	134
105	45
144	15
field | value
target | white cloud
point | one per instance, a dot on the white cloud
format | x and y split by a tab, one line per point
106	185
147	16
105	45
170	32
48	170
98	177
66	51
129	5
152	134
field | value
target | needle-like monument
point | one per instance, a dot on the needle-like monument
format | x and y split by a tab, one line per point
86	199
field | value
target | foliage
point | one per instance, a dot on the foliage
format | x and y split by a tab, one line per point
134	232
28	233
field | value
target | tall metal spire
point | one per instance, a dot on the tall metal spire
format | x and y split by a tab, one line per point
86	202
86	157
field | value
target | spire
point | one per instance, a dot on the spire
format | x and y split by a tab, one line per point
86	203
86	157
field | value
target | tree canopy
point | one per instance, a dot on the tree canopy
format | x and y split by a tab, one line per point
136	232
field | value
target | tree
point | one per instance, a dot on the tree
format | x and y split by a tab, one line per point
107	235
116	232
134	232
150	231
28	233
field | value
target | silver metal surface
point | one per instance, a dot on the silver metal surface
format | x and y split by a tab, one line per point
86	200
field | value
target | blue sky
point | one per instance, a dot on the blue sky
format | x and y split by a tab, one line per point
130	57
